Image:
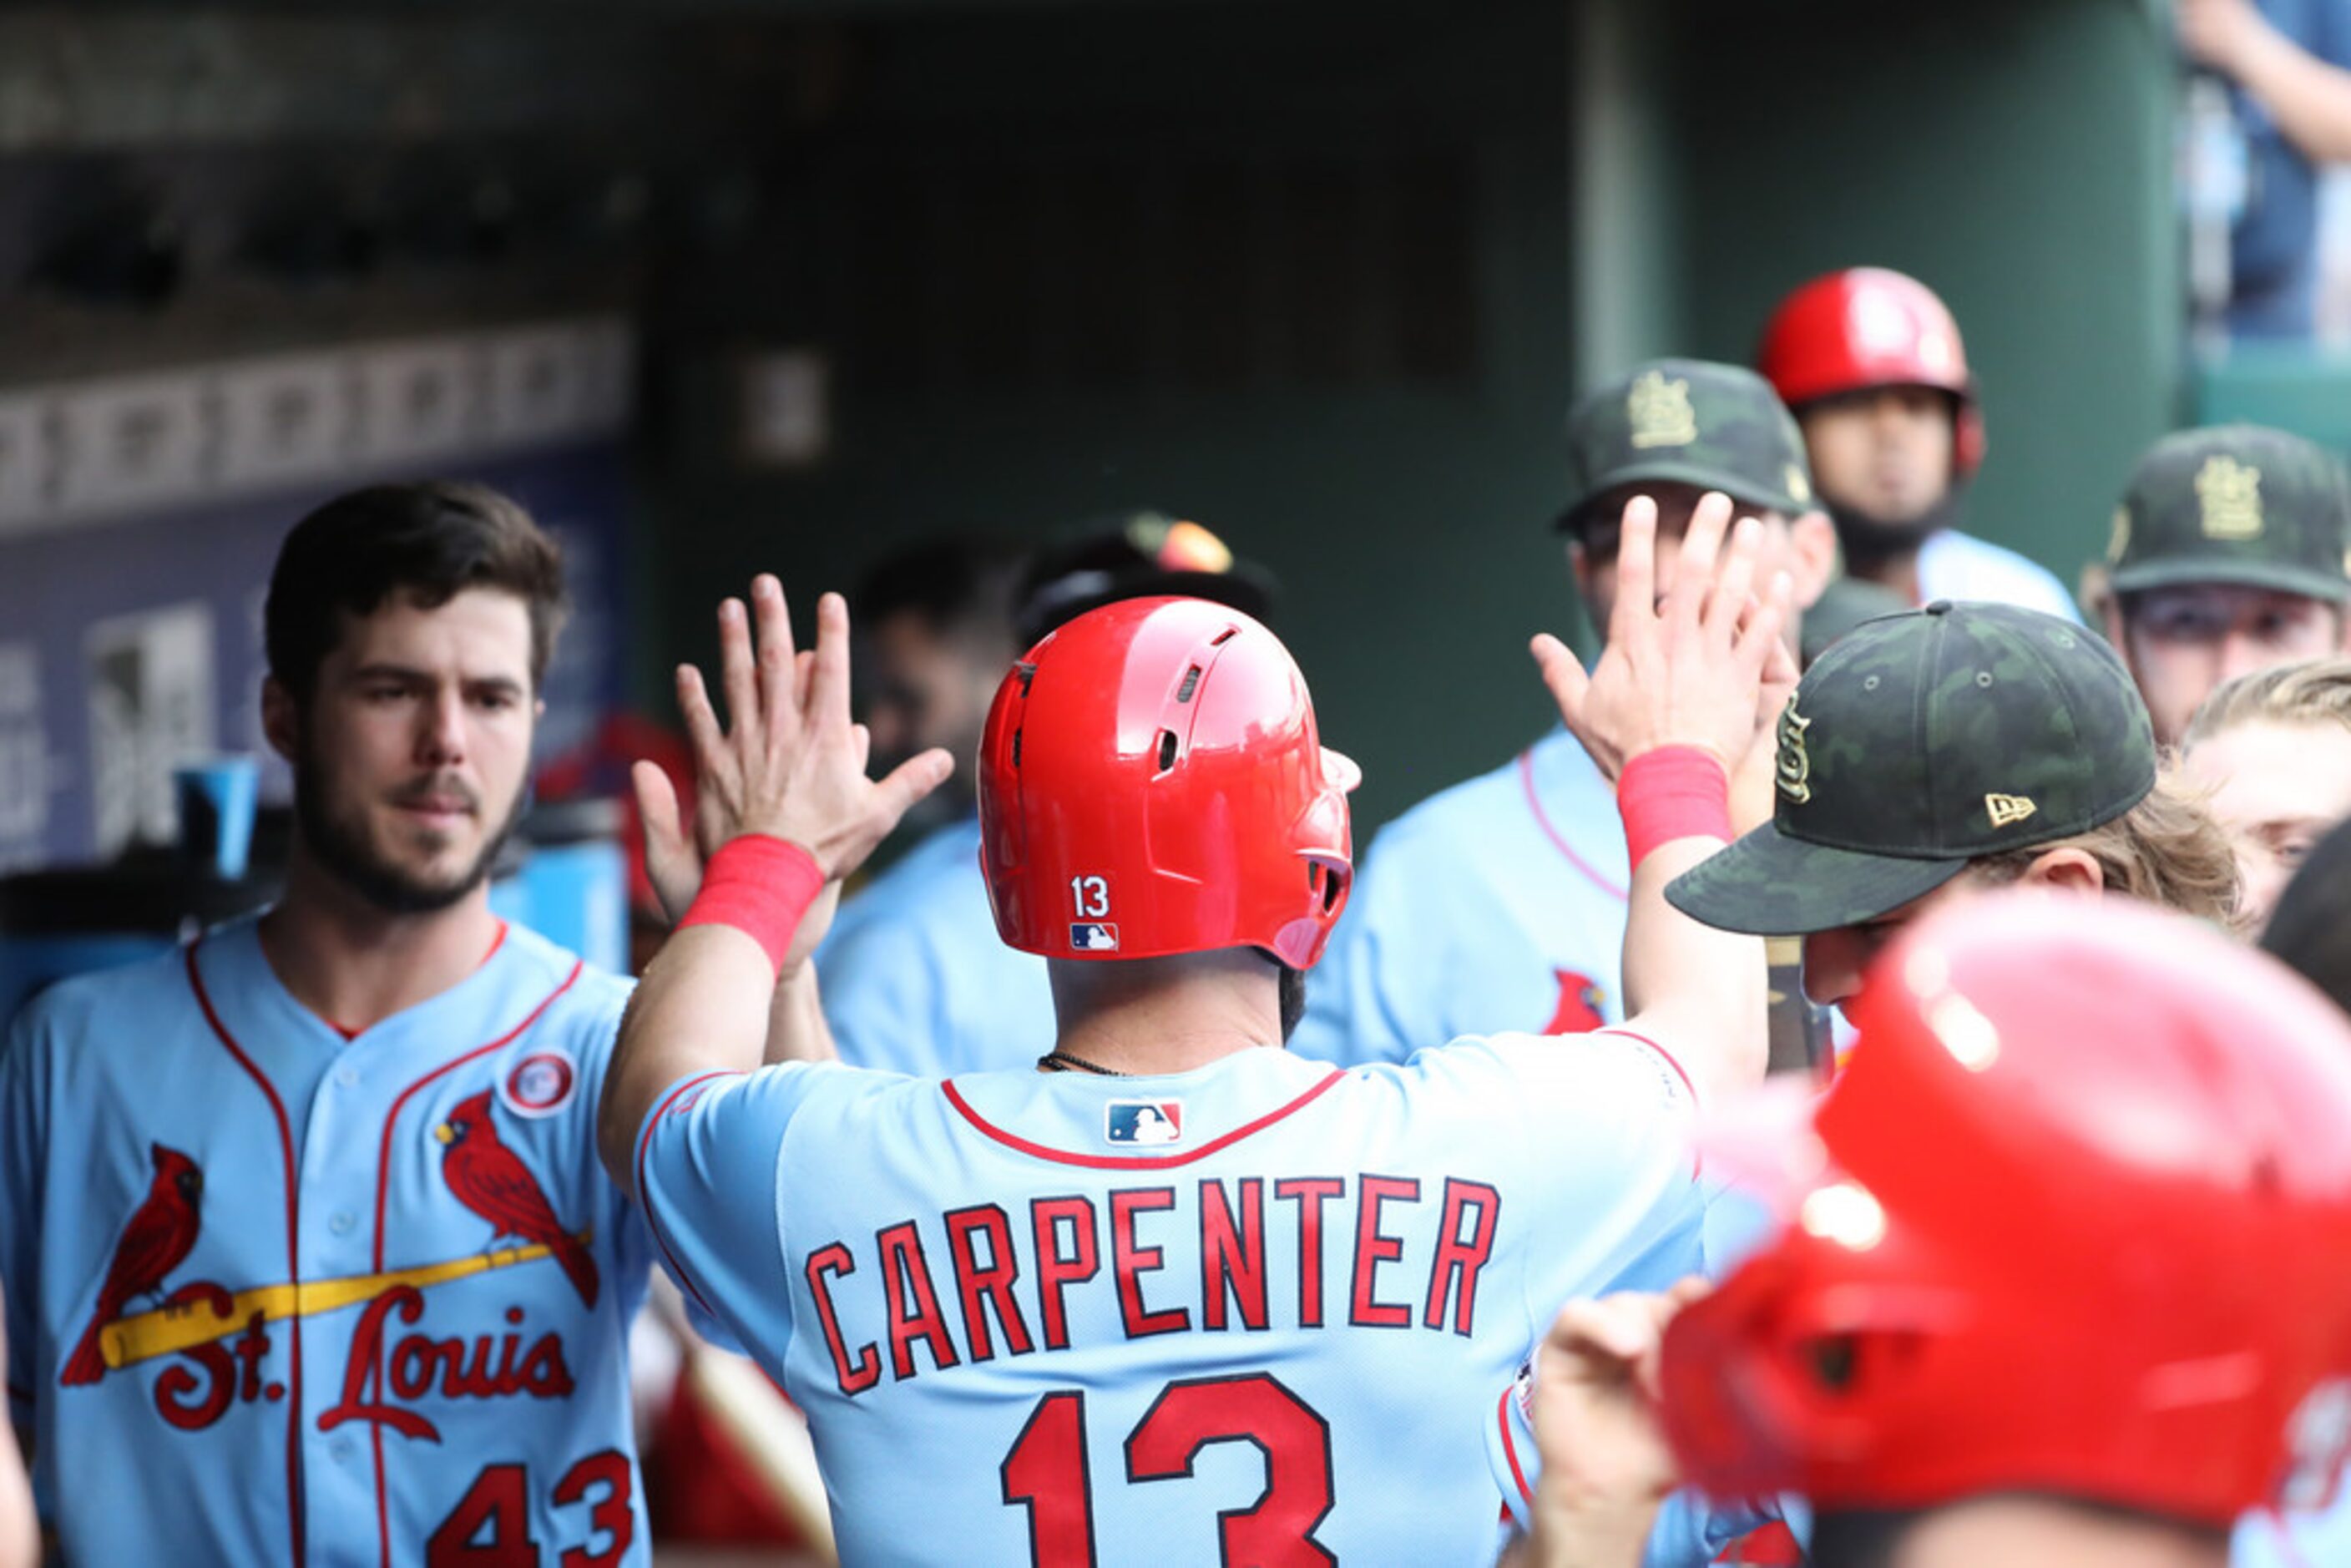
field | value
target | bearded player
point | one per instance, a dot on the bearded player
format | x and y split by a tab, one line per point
1870	361
242	1189
1261	1341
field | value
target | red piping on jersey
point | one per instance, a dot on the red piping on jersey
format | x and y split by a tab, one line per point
644	1144
1135	1162
1663	1055
294	1494
2281	1537
383	1180
351	1033
1697	1162
1510	1449
1534	804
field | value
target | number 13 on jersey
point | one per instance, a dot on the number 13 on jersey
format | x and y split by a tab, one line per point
1046	1472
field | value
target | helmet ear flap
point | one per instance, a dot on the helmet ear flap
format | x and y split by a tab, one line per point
1968	440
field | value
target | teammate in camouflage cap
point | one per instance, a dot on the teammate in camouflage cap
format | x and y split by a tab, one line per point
1500	904
2227	558
1944	750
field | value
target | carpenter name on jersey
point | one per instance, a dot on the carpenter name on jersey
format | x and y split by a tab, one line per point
1408	1253
1251	1312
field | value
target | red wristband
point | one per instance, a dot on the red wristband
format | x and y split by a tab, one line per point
762	886
1672	792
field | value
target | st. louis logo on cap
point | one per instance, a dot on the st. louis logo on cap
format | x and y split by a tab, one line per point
1143	1122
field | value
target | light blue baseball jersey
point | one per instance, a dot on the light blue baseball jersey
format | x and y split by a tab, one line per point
1253	1313
915	978
1497	905
1953	565
2295	1540
1691	1530
275	1296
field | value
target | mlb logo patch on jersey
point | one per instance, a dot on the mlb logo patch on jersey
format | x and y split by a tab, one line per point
540	1085
1139	1121
1093	937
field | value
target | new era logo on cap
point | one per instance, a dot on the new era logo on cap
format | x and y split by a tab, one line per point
1094	936
1138	1122
2005	809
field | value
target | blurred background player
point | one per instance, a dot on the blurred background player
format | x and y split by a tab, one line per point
1961	1372
1962	746
1500	904
2272	751
370	1091
1183	727
2291	94
1133	556
2227	557
914	977
2310	926
1871	362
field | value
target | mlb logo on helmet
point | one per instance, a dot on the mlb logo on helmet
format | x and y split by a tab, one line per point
1143	1122
1094	936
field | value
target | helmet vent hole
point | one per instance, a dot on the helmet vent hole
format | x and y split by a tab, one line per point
1016	748
1225	636
1025	673
1191	684
1331	886
1167	750
1833	1362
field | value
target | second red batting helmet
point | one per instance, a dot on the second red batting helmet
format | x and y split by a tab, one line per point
1151	782
1871	327
2075	1221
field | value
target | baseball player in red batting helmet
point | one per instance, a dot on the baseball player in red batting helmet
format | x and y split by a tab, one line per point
1872	363
2063	1277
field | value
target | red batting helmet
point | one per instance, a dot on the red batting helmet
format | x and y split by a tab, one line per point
2076	1220
1151	782
1872	327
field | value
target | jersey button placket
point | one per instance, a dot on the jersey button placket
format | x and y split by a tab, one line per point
338	1182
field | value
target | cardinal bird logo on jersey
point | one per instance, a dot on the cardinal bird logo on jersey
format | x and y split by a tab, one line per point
161	1233
490	1179
1579	1004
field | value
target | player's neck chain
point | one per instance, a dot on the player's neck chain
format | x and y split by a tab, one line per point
1063	1062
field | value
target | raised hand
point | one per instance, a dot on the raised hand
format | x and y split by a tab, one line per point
1605	1465
2216	33
789	762
1689	672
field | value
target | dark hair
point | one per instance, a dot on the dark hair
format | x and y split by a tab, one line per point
959	585
1870	1537
1859	1538
1134	554
429	542
2310	929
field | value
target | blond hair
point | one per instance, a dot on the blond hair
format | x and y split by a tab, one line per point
2168	850
2308	691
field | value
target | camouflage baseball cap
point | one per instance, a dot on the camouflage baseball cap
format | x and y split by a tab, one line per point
1920	742
2236	504
1690	422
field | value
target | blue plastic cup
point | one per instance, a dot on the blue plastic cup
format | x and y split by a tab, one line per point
217	798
